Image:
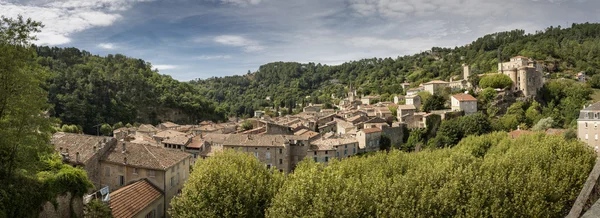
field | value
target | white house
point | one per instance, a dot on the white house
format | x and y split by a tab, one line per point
413	100
464	102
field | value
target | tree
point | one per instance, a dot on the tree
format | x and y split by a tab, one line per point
496	81
435	102
106	129
487	96
229	184
474	80
97	209
543	124
594	81
118	125
384	142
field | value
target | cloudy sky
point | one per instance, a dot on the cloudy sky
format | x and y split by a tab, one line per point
203	38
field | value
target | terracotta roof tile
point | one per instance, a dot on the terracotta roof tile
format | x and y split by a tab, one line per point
78	143
464	97
130	200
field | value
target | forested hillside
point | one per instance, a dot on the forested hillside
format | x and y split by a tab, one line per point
564	51
88	90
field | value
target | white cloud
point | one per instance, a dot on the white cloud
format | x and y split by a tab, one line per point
164	67
63	18
240	2
107	45
239	41
213	57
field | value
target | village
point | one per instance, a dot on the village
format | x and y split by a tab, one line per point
140	169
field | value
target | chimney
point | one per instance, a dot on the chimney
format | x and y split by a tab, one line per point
124	148
77	157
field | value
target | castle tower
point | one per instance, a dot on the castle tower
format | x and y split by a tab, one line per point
466	71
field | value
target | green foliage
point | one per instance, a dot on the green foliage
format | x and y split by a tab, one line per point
106	129
486	97
594	81
118	125
435	102
70	129
88	90
452	131
229	184
533	113
483	176
424	96
543	124
97	209
247	125
29	173
562	100
496	81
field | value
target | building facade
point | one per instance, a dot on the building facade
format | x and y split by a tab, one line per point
464	102
587	125
526	74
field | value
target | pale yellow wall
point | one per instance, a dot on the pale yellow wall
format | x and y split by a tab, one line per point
128	172
592	130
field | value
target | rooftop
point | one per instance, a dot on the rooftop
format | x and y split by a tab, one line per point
132	199
147	128
371	130
177	140
436	82
406	107
169	124
464	97
168	134
78	143
329	143
145	156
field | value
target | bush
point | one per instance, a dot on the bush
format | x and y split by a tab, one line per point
229	184
496	81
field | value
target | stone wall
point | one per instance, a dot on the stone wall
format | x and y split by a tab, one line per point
66	204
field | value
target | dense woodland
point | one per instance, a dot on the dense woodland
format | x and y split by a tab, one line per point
483	176
565	51
87	90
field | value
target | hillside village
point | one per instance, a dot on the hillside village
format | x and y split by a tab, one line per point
140	169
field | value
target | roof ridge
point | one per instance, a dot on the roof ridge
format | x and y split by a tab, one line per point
159	163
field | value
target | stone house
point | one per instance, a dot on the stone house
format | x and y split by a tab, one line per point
405	112
435	86
368	139
413	91
283	152
343	127
587	125
413	100
323	150
527	75
464	102
147	130
166	134
366	100
168	126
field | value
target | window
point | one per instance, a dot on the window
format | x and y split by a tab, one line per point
280	161
268	166
152	214
596	137
345	146
586	136
280	150
326	159
268	155
151	173
315	159
353	150
172	169
135	171
315	153
346	152
172	181
325	152
121	180
281	170
178	178
337	154
256	154
585	124
107	171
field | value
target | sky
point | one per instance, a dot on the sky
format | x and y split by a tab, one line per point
191	39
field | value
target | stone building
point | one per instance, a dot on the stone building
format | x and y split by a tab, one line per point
527	75
281	151
587	125
368	139
413	100
435	86
168	126
464	102
323	150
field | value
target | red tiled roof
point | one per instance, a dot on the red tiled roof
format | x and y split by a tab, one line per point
132	199
464	97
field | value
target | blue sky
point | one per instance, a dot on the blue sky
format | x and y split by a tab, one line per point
205	38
